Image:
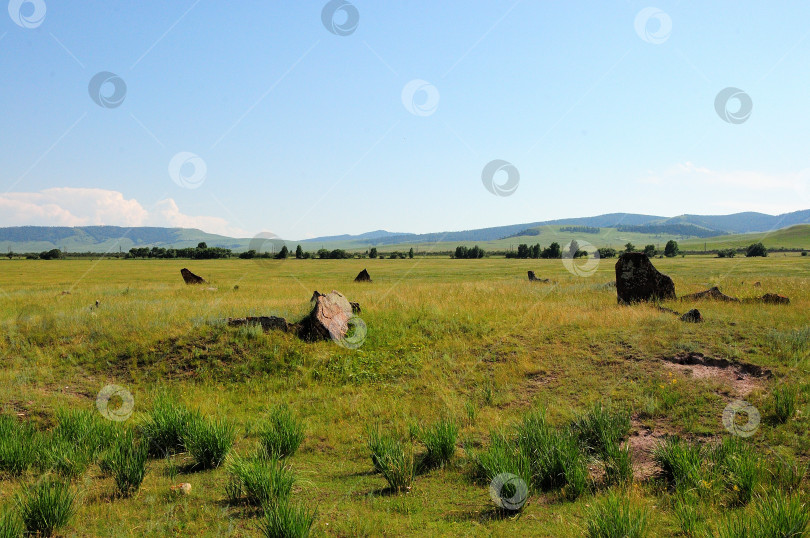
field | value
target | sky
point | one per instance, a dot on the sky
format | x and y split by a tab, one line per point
310	118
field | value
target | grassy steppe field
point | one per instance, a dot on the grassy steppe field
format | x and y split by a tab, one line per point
470	341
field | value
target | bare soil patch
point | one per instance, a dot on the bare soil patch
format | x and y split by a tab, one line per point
742	378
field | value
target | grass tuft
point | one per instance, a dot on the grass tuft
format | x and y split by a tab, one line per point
440	442
784	403
46	506
208	441
10	525
391	458
283	520
126	462
601	428
615	517
18	446
258	481
283	434
165	426
681	463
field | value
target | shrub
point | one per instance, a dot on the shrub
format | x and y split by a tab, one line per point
126	462
165	425
283	520
601	428
208	441
283	434
440	441
757	249
258	481
18	446
46	506
615	517
784	403
392	459
680	462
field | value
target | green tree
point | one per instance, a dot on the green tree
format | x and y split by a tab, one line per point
757	249
299	252
573	248
202	245
283	254
410	253
629	247
373	252
649	250
671	249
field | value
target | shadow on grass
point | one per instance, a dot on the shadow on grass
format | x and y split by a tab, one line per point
483	516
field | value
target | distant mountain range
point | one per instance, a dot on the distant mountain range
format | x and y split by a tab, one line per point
114	238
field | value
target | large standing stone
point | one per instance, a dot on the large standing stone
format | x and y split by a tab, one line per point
191	278
638	280
329	317
363	276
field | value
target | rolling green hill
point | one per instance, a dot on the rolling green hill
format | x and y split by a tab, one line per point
693	232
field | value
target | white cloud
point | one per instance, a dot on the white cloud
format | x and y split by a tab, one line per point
688	172
65	206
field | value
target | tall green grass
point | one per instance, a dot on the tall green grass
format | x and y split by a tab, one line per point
18	446
392	458
546	458
46	506
126	462
165	426
681	463
776	515
784	403
615	516
440	441
209	441
77	439
601	428
258	481
10	525
282	435
284	520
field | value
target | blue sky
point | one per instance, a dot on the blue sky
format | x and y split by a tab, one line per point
303	132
